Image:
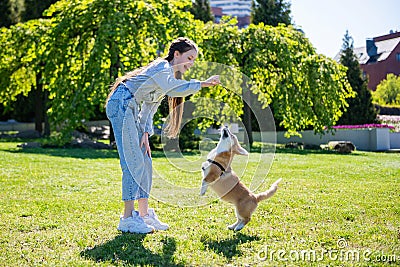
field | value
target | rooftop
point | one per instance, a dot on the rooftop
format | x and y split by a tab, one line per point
384	46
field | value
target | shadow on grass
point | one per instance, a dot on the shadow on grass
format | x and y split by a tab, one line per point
228	247
81	153
298	151
90	153
128	249
310	151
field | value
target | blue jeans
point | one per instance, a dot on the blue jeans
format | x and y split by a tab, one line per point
122	111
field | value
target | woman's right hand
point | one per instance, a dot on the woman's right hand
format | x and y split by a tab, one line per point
213	80
145	142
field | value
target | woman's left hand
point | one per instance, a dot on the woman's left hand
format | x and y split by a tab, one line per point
213	80
145	142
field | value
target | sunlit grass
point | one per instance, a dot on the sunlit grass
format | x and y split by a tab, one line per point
60	207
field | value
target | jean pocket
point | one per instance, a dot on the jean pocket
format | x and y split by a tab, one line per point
112	108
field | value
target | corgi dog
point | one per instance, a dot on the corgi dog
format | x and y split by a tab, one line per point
218	175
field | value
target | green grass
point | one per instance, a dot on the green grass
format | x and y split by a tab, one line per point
60	207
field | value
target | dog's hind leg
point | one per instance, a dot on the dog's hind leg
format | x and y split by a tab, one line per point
243	212
233	226
241	224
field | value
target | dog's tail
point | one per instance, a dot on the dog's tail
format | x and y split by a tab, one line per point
270	192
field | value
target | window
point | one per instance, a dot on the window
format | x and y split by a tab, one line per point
398	57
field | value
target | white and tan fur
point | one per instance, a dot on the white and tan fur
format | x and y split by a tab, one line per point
223	180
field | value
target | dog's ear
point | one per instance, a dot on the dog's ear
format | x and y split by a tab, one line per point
237	148
241	151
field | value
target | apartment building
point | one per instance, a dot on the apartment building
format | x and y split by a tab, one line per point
241	9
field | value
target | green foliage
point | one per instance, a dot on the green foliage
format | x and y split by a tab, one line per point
21	49
388	91
220	44
360	109
89	44
305	89
271	12
25	108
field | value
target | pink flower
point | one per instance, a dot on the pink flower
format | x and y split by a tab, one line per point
363	126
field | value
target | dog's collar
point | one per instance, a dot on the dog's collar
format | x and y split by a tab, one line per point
218	165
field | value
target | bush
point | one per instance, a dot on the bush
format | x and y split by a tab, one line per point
388	91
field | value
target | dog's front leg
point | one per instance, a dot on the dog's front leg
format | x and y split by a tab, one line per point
204	186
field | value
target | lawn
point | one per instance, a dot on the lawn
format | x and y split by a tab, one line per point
60	207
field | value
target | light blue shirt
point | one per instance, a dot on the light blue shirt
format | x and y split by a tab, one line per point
152	84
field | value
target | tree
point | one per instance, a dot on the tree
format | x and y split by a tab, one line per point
388	91
21	65
34	10
34	102
268	12
271	12
89	44
201	10
305	88
360	109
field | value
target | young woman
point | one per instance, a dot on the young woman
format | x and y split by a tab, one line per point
133	125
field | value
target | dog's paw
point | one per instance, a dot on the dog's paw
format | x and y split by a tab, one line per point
203	188
232	226
239	226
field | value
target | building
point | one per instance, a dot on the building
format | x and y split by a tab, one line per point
218	13
379	57
236	8
241	9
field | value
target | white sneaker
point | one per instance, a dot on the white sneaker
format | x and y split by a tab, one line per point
134	224
151	219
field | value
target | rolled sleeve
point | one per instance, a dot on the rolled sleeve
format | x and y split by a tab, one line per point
175	87
146	114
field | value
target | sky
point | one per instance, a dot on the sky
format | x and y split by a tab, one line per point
325	21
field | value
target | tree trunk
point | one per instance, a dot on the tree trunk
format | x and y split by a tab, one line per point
248	135
38	91
46	118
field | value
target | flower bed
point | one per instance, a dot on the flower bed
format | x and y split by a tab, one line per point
364	126
393	121
369	137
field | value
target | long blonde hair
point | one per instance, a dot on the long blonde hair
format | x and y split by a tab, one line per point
175	104
121	79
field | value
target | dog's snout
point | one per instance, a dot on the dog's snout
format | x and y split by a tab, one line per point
225	133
